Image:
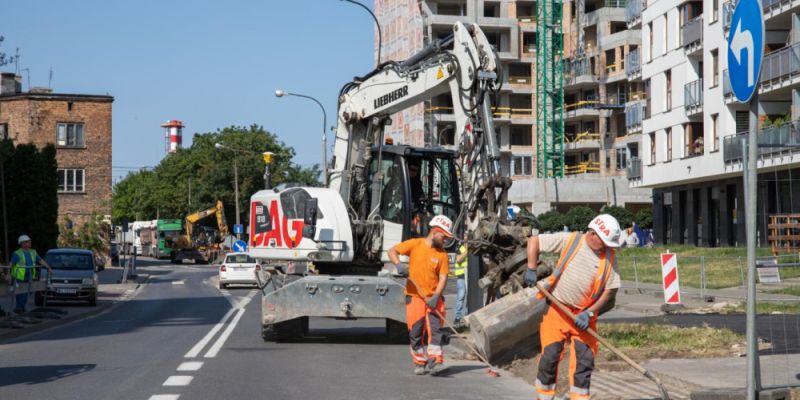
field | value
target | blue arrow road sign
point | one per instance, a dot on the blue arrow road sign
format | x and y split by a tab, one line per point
238	229
746	48
239	246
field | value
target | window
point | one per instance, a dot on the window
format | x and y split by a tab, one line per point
742	122
650	42
69	135
3	131
647	106
715	131
668	132
71	180
693	139
522	165
714	10
652	148
666	34
668	102
521	135
715	65
622	159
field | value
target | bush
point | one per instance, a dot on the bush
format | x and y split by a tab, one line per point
551	221
578	218
644	218
623	216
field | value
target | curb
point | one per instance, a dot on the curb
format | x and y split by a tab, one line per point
99	309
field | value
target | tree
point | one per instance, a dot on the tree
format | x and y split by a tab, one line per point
578	218
205	173
644	218
623	216
551	221
4	59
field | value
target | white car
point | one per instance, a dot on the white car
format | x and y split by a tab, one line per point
238	269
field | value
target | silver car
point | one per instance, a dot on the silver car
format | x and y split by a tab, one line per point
74	276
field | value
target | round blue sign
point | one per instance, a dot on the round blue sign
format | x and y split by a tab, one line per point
239	246
745	48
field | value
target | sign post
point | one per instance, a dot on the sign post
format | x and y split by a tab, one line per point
745	56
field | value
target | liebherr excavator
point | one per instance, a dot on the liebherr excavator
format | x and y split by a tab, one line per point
379	194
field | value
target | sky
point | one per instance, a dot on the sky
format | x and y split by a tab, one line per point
210	64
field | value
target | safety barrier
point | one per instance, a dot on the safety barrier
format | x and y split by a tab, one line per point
582	168
497	112
582	137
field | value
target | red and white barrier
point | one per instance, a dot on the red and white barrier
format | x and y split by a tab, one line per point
669	274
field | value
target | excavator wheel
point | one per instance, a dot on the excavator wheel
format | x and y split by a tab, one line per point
286	331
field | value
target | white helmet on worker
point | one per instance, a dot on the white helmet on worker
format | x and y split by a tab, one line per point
443	223
23	238
607	228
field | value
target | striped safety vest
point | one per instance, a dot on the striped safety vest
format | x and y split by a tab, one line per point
18	269
604	270
461	267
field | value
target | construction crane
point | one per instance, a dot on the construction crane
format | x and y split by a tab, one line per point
549	89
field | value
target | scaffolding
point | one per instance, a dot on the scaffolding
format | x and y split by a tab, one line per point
549	89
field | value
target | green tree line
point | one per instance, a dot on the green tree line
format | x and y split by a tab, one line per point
194	178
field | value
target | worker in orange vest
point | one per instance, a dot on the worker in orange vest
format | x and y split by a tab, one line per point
428	266
584	279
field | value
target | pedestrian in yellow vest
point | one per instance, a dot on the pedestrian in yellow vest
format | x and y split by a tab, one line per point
458	273
23	269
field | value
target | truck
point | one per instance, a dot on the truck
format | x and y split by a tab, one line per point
324	248
201	242
167	233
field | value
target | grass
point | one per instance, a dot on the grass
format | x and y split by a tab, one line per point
769	308
647	341
723	266
790	290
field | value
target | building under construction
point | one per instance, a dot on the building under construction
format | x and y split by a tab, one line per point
568	147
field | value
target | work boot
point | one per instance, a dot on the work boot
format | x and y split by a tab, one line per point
438	369
419	370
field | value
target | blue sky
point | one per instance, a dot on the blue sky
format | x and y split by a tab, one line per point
208	63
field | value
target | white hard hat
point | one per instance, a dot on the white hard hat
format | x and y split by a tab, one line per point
444	223
607	228
24	238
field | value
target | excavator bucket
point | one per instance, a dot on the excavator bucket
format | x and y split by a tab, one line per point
508	326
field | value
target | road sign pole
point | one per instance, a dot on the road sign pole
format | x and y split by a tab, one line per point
750	173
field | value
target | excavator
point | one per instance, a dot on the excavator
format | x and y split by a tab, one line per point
201	243
324	249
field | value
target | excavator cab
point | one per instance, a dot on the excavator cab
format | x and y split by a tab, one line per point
417	184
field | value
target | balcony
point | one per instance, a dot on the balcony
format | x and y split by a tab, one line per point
633	65
727	13
780	66
727	91
583	140
634	114
692	35
633	13
771	140
634	169
616	3
579	72
693	97
520	80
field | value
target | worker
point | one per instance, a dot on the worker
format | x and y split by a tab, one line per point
461	286
584	279
427	276
23	269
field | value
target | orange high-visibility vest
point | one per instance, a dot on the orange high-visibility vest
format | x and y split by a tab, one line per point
604	270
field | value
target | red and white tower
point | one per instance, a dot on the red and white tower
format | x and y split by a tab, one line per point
173	135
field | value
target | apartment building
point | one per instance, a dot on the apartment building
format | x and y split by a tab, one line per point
594	172
80	127
693	128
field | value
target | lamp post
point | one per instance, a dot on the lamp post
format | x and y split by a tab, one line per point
281	93
235	182
377	24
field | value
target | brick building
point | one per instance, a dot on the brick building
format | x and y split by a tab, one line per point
80	127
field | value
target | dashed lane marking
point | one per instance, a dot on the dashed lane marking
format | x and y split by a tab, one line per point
190	366
165	397
210	335
180	282
178	380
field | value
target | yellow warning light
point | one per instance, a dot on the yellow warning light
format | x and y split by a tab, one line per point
267	157
440	73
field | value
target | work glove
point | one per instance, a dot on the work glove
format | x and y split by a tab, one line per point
582	320
433	301
530	277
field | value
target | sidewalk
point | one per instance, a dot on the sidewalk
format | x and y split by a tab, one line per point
110	292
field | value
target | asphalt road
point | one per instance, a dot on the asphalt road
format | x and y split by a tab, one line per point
181	337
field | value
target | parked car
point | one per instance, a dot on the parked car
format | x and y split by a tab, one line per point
238	269
74	276
113	252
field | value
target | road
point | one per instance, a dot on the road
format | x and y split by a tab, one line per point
181	337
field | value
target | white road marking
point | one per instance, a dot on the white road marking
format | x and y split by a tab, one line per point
190	366
210	335
212	352
165	397
238	304
180	282
178	380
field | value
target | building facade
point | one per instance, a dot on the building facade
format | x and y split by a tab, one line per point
693	130
594	173
79	126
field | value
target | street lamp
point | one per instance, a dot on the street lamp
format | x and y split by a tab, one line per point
281	93
380	36
235	181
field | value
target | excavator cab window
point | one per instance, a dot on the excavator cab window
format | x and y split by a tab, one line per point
393	191
434	191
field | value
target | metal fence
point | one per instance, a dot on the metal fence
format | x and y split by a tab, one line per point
771	140
693	94
781	64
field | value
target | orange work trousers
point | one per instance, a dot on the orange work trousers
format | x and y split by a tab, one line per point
425	330
556	332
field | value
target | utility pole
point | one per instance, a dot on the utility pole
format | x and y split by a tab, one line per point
236	190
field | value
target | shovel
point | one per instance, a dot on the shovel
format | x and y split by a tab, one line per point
647	374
